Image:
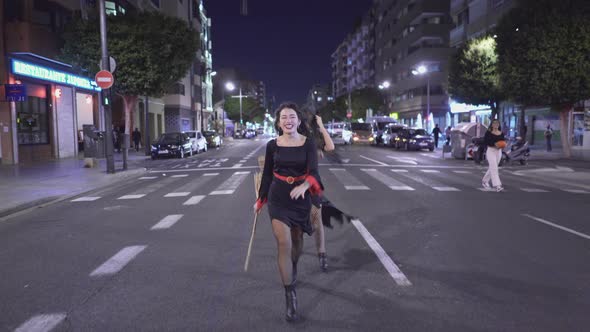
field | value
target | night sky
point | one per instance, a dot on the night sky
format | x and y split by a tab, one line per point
287	44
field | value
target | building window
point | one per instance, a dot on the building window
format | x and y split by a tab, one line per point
176	89
463	18
32	117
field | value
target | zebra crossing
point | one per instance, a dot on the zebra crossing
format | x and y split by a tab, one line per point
349	179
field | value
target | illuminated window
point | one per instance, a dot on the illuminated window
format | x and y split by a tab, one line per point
32	117
110	8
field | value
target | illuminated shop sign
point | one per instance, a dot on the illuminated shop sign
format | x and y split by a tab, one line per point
47	74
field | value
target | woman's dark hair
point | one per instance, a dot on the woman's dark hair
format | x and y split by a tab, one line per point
499	125
302	129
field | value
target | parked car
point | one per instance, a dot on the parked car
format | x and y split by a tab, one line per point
249	133
198	141
260	131
213	138
362	132
390	133
238	133
172	145
414	139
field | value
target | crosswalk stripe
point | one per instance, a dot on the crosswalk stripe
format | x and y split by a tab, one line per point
387	180
462	172
400	170
429	171
132	196
445	189
41	323
183	194
357	188
222	192
210	174
237	166
194	200
148	177
180	176
348	180
85	199
576	191
118	261
167	222
534	190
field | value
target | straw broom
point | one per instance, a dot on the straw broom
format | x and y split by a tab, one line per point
257	182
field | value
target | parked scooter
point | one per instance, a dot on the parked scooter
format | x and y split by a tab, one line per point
518	151
477	149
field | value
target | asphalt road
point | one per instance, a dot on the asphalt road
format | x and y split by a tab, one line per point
429	251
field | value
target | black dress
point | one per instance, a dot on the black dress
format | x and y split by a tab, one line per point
295	161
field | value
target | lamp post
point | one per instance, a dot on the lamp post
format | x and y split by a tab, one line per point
422	70
230	86
385	85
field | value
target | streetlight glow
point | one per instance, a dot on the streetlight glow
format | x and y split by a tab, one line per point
386	84
230	86
421	69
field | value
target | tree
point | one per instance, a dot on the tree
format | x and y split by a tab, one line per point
473	77
544	56
153	51
363	99
251	110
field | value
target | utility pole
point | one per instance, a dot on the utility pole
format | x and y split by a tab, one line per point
146	130
106	93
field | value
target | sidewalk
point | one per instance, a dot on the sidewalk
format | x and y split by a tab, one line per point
26	186
540	153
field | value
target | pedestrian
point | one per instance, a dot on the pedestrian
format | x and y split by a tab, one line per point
495	142
116	139
448	135
324	144
436	133
289	178
548	136
136	136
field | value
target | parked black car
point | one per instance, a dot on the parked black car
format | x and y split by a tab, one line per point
414	139
172	145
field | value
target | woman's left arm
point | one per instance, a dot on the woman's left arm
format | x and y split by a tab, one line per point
329	144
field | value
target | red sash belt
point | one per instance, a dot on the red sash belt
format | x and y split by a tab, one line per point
289	179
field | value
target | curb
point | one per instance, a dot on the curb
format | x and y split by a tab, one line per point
122	177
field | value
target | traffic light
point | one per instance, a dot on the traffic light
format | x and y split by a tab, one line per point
106	100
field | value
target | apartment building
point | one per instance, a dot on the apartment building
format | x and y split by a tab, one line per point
317	97
412	37
353	61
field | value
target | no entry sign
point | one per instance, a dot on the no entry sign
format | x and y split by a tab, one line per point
104	79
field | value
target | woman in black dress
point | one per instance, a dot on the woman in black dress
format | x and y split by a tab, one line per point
289	178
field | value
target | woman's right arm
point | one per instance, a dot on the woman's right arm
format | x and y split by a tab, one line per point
328	143
266	173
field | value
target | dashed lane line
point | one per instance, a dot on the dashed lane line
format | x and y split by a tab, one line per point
167	222
569	230
41	323
118	261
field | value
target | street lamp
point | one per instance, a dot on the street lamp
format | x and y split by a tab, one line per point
230	86
422	70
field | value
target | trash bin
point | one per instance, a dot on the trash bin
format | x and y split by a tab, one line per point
93	142
461	136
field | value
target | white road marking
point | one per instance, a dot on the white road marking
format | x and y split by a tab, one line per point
85	199
356	188
534	190
148	177
411	161
167	222
587	237
345	161
41	323
117	262
177	194
375	161
445	188
210	174
400	170
243	161
394	271
180	176
462	172
576	191
387	180
237	173
194	200
222	192
237	166
132	196
429	171
336	169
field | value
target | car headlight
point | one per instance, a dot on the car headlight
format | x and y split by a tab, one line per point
174	146
154	148
370	138
412	141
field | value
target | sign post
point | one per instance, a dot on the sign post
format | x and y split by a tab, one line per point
108	117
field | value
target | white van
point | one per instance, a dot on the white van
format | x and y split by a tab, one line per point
199	142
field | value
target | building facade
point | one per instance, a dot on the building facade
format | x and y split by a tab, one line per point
353	62
412	37
47	122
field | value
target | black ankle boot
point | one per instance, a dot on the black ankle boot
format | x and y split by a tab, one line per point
323	261
291	299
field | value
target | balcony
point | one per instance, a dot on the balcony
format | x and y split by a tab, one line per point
457	35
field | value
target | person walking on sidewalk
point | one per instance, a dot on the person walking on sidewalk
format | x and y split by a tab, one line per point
324	143
495	141
136	136
116	139
448	135
289	178
436	133
548	136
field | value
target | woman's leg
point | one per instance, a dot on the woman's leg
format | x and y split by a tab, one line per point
282	234
297	246
495	155
318	229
